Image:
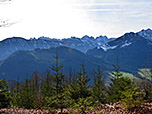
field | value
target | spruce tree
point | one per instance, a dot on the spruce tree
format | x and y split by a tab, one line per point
60	98
83	81
47	89
36	84
124	90
116	74
81	91
79	87
28	96
116	85
4	94
99	87
58	76
131	96
74	91
47	86
16	94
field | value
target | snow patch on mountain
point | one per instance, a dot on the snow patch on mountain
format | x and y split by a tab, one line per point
105	48
126	44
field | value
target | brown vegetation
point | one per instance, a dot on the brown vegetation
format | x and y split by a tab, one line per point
115	108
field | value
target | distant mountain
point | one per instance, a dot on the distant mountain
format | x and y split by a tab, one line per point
133	50
146	34
22	57
24	63
11	45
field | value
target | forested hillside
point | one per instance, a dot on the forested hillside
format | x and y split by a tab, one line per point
74	94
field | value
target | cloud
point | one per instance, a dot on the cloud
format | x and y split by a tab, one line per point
128	8
65	18
111	16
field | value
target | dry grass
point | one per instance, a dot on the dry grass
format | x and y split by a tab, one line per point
115	108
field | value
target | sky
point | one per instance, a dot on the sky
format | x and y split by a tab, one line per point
66	18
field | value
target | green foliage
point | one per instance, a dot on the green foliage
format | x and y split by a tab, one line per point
129	75
116	88
79	86
145	83
146	74
117	74
47	86
117	85
123	89
59	94
58	77
82	81
16	94
4	94
80	92
99	87
47	90
83	105
74	89
145	86
132	97
148	91
28	96
100	112
60	99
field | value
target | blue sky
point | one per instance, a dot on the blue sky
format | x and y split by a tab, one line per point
66	18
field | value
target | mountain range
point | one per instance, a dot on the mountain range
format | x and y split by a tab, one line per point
133	50
11	45
21	57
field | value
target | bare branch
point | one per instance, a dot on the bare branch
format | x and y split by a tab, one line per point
5	1
6	23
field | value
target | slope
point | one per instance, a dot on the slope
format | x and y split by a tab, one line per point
24	63
132	50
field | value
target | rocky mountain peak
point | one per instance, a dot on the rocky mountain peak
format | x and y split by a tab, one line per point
146	33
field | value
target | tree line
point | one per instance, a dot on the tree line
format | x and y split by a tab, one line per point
57	91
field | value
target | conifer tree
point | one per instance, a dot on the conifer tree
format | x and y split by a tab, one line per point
116	74
36	86
28	96
47	90
4	94
74	88
79	87
83	81
131	96
60	98
117	85
81	91
16	94
58	76
99	87
124	90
